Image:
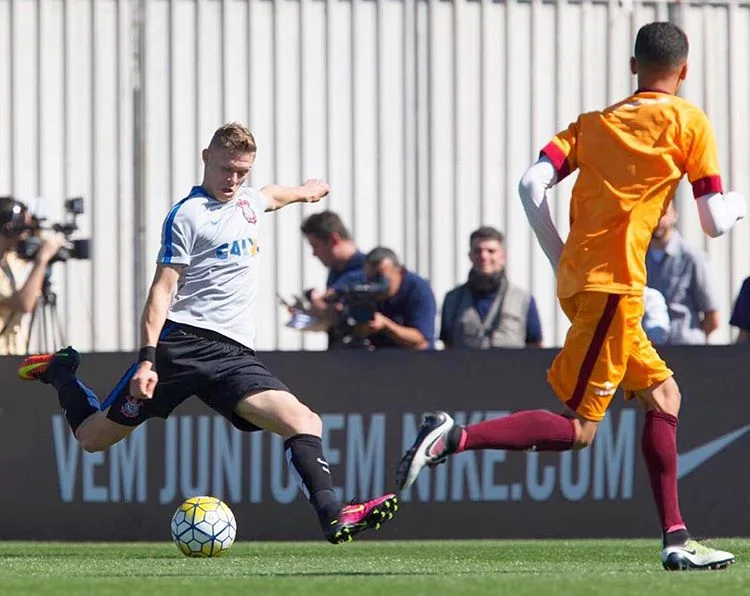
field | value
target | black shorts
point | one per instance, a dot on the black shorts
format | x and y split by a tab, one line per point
192	361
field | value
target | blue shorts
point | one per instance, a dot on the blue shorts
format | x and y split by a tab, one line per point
194	361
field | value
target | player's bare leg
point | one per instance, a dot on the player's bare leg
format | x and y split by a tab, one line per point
98	433
301	428
79	403
659	445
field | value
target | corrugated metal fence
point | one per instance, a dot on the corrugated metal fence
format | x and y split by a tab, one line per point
421	113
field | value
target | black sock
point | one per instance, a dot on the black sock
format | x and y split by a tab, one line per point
676	538
305	454
77	401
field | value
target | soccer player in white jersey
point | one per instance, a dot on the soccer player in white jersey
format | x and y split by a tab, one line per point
201	341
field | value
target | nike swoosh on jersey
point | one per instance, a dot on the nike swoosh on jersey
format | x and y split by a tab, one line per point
690	460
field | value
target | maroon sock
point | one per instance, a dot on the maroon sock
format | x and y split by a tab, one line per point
529	429
659	445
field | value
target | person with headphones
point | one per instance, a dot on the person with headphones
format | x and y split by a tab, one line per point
18	297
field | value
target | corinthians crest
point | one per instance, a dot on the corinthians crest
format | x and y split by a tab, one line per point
247	211
132	407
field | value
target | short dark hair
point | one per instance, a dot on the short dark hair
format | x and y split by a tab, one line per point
379	254
486	233
661	45
324	224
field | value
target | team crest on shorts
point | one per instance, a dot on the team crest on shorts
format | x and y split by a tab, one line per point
132	407
247	211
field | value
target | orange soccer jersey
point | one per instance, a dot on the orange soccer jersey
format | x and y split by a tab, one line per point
630	158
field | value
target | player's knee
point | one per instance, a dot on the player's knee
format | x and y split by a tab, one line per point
300	419
582	443
308	422
663	397
91	443
95	437
670	404
313	423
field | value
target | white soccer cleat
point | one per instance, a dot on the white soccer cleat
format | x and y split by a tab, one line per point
430	448
694	555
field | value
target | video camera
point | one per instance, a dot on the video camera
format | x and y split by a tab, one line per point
28	248
358	304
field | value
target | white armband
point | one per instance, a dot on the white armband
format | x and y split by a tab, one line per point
719	212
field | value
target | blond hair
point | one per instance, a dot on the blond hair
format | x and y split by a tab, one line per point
233	136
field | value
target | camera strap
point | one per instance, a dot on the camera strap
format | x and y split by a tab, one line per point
488	324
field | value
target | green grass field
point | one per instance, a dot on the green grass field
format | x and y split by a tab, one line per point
379	568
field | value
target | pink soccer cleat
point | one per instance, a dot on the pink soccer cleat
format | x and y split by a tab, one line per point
358	517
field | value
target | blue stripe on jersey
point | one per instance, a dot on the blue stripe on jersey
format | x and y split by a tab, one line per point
167	240
120	386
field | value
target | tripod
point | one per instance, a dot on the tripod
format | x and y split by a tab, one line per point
45	323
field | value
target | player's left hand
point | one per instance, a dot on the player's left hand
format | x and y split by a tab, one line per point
143	382
313	190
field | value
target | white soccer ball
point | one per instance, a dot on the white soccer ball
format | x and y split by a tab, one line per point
203	527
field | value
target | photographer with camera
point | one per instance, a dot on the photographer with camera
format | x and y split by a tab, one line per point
16	298
333	246
394	308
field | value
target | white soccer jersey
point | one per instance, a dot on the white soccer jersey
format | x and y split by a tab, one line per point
218	244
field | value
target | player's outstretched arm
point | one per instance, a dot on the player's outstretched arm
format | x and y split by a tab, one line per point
719	212
533	192
158	301
144	380
280	196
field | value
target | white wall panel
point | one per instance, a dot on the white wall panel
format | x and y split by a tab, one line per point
541	81
6	97
63	137
422	114
736	161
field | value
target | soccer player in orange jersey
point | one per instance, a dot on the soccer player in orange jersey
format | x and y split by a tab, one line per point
630	158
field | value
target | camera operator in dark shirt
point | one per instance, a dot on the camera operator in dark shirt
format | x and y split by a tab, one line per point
404	313
17	298
333	246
